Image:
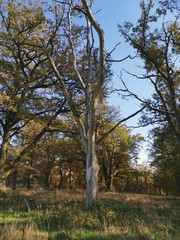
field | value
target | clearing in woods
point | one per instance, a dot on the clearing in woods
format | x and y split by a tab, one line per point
44	215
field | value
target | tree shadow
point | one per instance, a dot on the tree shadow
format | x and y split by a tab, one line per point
114	237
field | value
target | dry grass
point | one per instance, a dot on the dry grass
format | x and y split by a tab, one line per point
42	214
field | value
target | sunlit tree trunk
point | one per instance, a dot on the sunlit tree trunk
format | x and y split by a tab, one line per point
92	170
92	167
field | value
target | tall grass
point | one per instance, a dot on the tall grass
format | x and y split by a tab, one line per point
63	215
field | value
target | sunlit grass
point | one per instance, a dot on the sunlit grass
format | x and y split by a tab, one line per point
64	215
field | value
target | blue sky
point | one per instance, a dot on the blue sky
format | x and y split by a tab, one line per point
114	12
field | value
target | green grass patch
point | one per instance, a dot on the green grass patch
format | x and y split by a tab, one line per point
33	218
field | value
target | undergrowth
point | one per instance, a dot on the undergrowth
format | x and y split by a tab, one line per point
50	216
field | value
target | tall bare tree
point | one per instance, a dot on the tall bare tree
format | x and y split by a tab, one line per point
81	45
90	79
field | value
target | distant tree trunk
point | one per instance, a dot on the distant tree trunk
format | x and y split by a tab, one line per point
160	191
2	183
108	184
127	185
46	175
146	183
137	183
70	178
28	181
14	180
177	177
60	185
3	159
107	167
101	183
112	183
108	180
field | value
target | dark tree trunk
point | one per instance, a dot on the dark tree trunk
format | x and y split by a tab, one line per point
3	159
14	180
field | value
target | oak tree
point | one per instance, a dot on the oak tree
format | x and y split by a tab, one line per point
157	43
24	79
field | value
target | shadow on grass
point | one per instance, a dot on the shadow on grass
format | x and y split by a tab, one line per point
111	237
63	236
59	236
64	219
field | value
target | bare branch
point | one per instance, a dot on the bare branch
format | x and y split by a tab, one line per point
119	60
73	51
128	91
65	92
45	129
117	124
141	77
100	33
109	54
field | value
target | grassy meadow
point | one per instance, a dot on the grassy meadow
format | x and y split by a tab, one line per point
42	215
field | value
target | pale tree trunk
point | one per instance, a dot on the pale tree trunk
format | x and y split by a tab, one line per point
92	94
89	140
92	168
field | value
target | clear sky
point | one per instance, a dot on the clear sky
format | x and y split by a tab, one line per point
114	12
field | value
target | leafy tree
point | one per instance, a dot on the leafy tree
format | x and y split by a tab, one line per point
170	5
159	50
55	159
115	155
156	42
165	156
24	78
